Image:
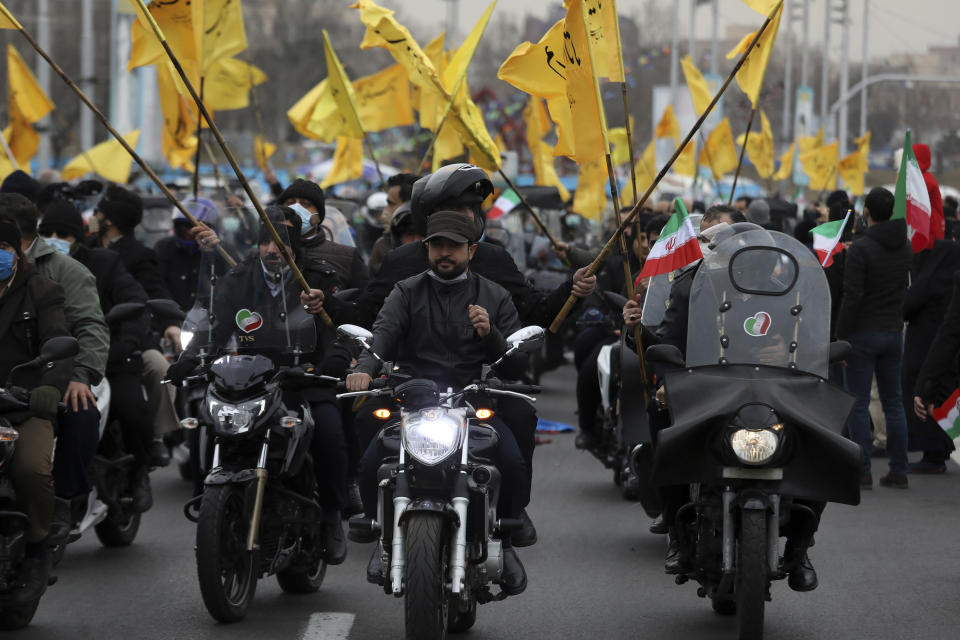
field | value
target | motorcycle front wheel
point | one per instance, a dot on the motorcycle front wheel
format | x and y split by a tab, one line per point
118	529
751	582
426	606
225	568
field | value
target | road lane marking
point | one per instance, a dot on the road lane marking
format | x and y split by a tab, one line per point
329	626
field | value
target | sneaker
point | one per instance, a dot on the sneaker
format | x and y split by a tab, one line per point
926	467
140	493
894	481
866	481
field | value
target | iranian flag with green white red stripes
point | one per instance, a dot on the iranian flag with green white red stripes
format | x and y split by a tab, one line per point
504	204
911	199
677	246
826	240
947	415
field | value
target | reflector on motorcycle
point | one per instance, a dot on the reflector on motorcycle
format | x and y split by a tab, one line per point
289	422
484	414
382	413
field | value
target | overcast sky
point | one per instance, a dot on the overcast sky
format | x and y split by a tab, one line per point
895	25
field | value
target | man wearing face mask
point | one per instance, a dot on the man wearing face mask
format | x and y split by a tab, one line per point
61	227
309	195
79	426
31	312
179	255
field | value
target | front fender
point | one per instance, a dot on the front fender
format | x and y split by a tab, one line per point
429	505
222	476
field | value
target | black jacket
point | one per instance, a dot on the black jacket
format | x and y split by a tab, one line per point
31	312
115	286
490	261
142	263
179	270
331	266
938	376
875	280
424	327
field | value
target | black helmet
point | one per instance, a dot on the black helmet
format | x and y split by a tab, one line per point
401	223
449	188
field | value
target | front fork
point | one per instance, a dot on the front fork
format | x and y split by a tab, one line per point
261	473
772	507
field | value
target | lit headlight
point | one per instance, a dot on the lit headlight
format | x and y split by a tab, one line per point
430	435
754	446
235	418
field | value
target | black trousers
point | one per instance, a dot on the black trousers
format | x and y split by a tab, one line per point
77	440
129	407
329	451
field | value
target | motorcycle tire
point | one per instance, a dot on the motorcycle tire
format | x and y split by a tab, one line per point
118	529
460	618
751	581
426	605
17	617
303	578
226	570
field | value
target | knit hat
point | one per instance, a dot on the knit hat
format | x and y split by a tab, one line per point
121	207
309	191
20	182
62	218
10	233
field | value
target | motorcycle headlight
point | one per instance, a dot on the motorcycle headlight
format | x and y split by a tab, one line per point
185	338
431	435
754	446
235	418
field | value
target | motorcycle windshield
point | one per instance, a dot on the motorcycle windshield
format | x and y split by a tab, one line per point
760	297
248	303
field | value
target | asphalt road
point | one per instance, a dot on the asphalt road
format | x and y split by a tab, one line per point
889	569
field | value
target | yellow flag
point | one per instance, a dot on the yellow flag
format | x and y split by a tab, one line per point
820	165
299	114
383	99
538	69
760	147
686	162
109	160
853	168
384	31
7	21
447	146
807	143
761	6
668	127
263	151
786	164
32	103
589	134
620	154
559	110
228	83
178	141
646	170
699	90
750	76
342	91
223	32
347	162
428	102
590	198
461	59
538	125
22	139
181	22
719	153
601	16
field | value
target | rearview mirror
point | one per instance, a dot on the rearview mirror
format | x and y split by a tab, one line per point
354	332
166	310
123	312
59	348
527	339
666	354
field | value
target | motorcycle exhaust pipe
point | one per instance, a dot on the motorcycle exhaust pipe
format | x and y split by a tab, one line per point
261	474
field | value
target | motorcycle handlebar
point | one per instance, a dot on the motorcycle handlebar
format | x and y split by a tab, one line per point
519	388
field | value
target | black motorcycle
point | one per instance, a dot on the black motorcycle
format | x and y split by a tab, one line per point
438	491
258	514
755	430
15	409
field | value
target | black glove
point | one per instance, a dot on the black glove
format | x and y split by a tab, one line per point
182	368
294	378
44	400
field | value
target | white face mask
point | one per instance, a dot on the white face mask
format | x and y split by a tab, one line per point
304	216
60	245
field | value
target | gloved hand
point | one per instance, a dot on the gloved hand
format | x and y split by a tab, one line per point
182	368
293	379
43	402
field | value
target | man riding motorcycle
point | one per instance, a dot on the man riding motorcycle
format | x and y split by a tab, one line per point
31	312
444	324
237	288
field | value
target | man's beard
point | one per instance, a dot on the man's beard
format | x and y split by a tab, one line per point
450	274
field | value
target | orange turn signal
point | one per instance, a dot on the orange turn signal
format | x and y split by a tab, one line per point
484	414
383	414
